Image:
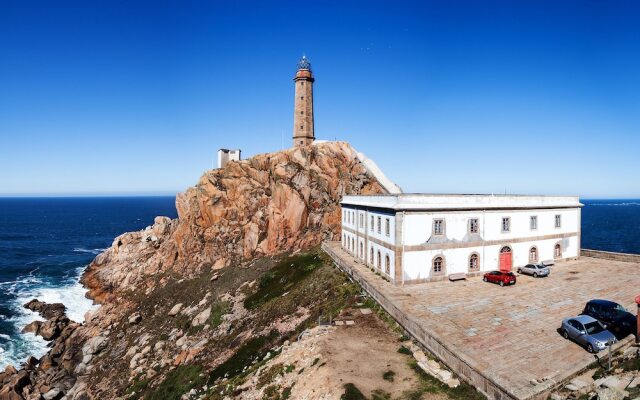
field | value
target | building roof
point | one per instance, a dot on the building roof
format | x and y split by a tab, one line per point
450	202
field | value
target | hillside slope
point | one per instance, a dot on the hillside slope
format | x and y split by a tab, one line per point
176	297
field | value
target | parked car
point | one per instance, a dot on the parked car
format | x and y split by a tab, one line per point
500	277
588	332
618	320
535	270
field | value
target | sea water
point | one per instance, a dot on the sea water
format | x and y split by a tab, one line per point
45	245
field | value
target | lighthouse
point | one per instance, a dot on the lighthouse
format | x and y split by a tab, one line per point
303	134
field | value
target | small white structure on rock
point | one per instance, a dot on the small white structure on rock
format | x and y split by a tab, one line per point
412	238
226	155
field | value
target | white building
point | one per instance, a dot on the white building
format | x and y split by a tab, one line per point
413	238
226	155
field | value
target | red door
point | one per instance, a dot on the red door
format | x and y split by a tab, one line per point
505	259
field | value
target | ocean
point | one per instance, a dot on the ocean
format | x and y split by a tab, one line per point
45	244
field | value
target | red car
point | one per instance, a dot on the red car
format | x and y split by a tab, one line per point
501	278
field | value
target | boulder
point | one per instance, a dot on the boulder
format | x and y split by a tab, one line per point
94	345
32	327
175	310
135	318
201	318
53	394
47	311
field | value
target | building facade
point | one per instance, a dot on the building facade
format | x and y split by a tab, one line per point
413	238
303	133
226	155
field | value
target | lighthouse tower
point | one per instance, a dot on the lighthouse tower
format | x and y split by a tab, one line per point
303	109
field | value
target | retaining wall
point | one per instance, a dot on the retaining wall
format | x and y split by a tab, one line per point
608	255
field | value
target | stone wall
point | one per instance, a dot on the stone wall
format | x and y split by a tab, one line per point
608	255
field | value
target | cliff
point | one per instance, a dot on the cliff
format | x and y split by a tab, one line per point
196	294
268	204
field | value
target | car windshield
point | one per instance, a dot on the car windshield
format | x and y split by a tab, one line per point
594	327
619	308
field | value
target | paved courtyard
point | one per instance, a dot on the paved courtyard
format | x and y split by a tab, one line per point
510	333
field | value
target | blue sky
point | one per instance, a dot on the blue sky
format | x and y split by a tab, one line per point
115	97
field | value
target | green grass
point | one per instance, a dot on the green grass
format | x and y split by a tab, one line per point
253	350
218	310
282	278
178	382
351	392
404	350
429	384
267	376
379	394
632	364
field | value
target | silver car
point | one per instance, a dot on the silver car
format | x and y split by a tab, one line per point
588	332
535	270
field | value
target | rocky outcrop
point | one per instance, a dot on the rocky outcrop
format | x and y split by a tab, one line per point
54	373
150	320
265	205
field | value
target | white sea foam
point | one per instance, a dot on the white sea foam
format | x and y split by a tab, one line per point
71	294
90	251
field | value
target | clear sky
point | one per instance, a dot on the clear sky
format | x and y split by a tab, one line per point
117	97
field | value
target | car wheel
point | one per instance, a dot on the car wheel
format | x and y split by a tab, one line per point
519	271
565	334
501	283
484	279
535	274
590	348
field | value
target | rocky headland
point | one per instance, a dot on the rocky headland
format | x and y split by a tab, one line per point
190	306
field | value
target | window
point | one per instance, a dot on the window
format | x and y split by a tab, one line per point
371	227
300	126
438	227
438	265
361	251
387	227
557	251
301	112
558	221
379	224
379	260
361	220
387	265
533	222
506	224
533	255
344	215
301	83
301	97
371	256
474	262
473	225
344	239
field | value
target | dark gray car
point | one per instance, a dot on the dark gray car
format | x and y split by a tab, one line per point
535	270
588	332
